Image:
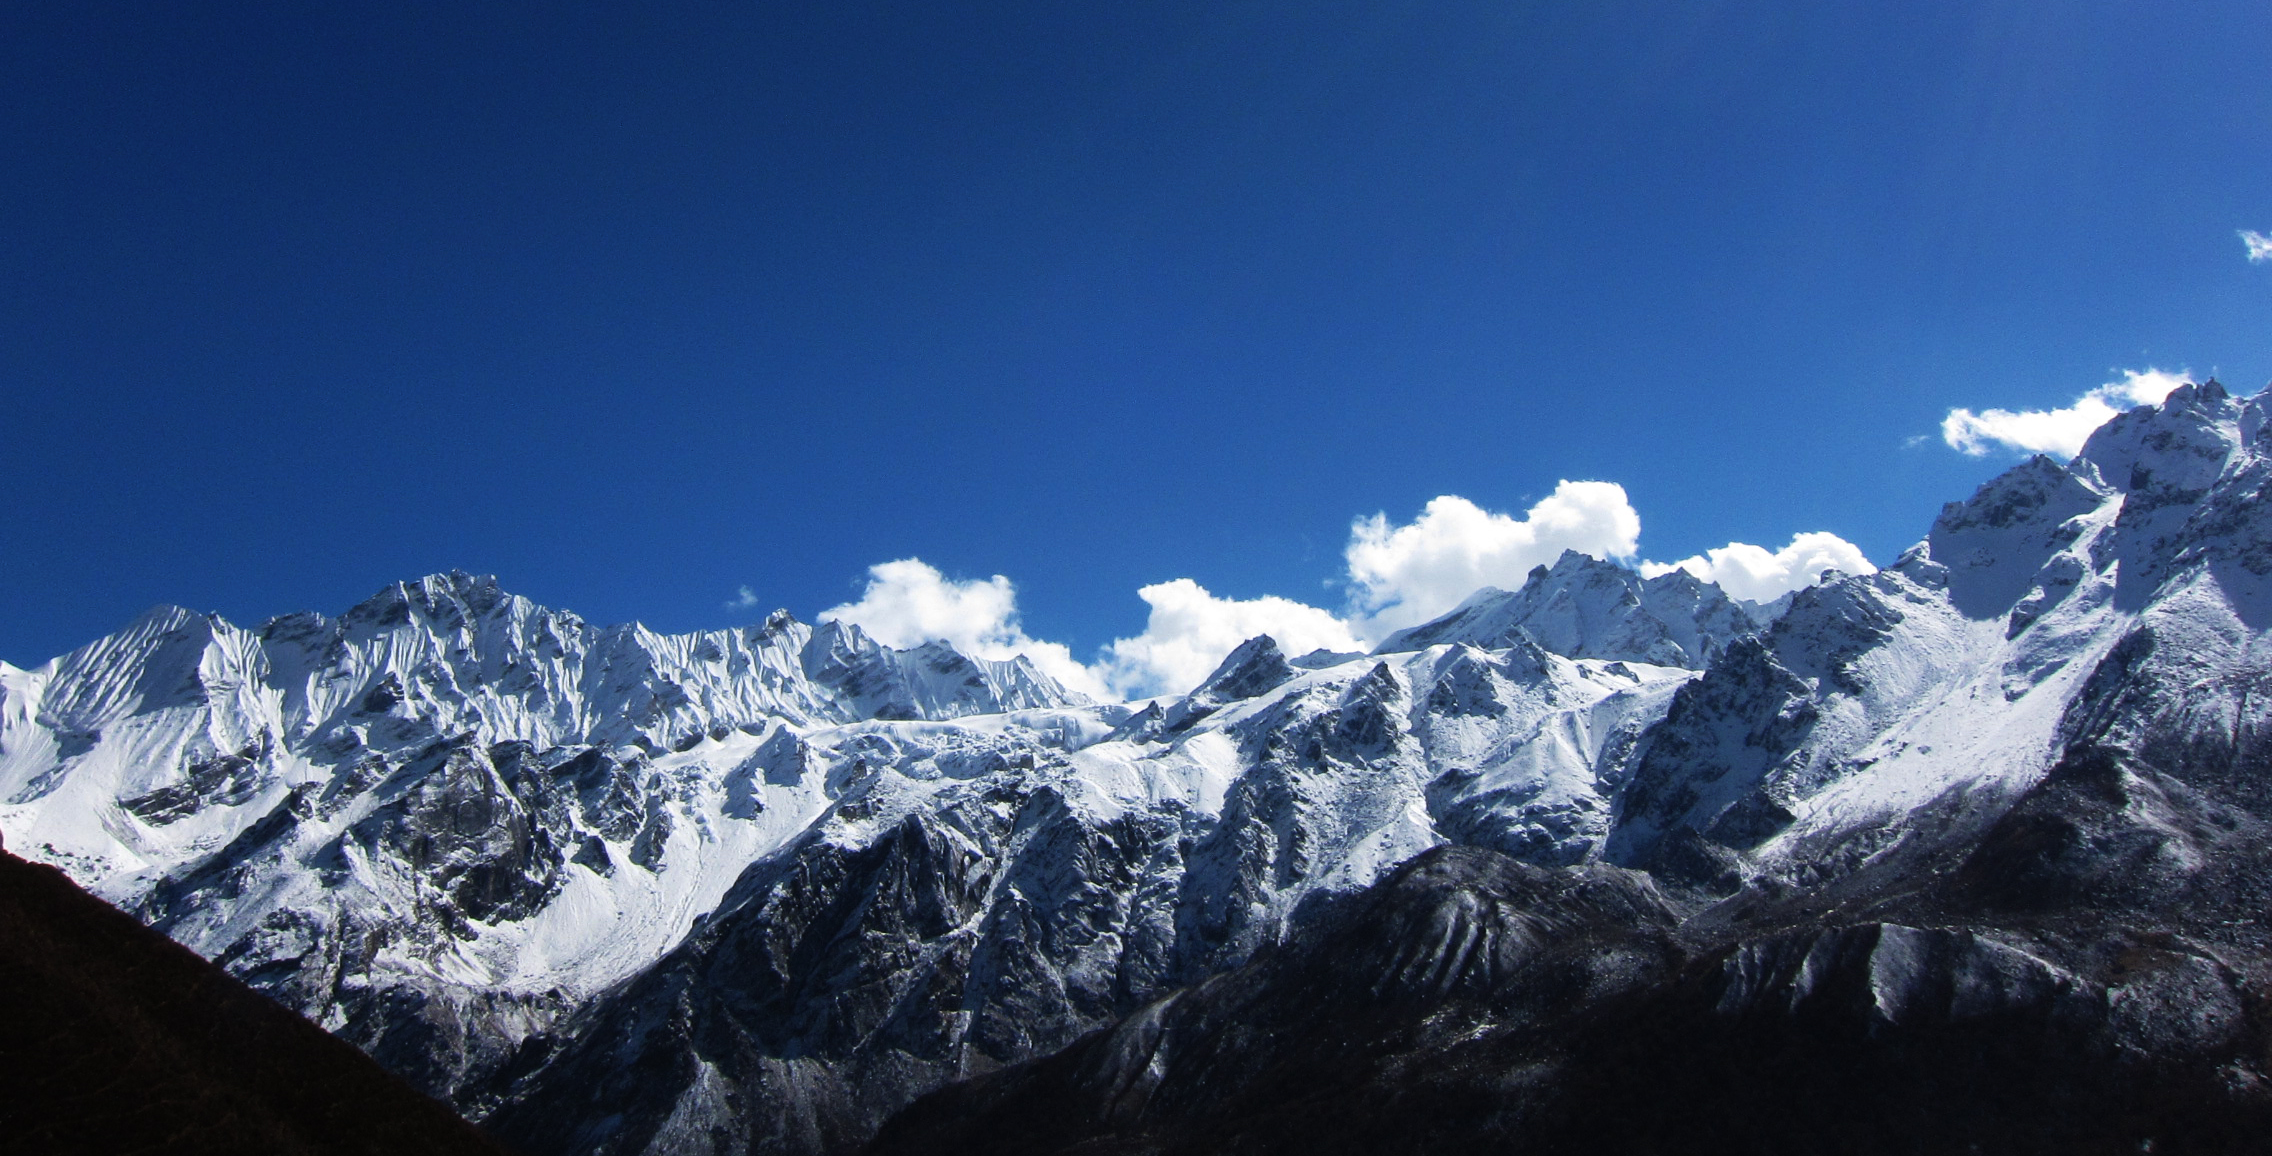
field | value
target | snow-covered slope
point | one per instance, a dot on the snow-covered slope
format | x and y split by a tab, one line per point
437	821
2118	598
924	932
173	735
1968	855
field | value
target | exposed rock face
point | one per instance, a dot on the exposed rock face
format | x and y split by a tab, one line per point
1256	667
419	825
2031	995
2107	601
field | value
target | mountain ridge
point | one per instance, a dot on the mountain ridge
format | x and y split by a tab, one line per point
613	891
1967	854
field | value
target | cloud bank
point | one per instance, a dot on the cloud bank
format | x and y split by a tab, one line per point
2060	432
1757	575
908	603
1190	631
1396	576
1402	576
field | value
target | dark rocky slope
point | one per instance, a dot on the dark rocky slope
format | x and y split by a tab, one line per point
2092	975
115	1039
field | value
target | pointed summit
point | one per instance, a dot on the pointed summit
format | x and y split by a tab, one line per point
1994	542
1585	607
1258	666
2180	445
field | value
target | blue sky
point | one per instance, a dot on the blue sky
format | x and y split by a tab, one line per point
635	306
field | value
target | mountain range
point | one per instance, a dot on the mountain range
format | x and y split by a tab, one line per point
1967	851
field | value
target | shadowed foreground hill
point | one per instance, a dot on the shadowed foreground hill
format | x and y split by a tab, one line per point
114	1039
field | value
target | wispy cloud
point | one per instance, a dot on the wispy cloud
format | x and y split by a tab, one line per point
743	599
2055	431
2259	245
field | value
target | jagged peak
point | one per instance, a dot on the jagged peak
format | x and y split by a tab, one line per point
1572	562
838	632
445	599
1588	607
939	648
2025	494
1680	579
1380	684
2182	443
1255	667
458	583
166	617
161	626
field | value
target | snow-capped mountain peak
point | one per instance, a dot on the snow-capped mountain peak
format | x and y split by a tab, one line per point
1586	607
1255	667
1993	543
152	711
2048	609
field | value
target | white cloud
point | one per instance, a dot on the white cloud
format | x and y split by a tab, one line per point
908	603
2060	432
1190	631
744	599
1401	576
1398	576
2259	245
1752	572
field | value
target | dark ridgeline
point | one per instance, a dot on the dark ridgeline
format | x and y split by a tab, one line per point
115	1039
